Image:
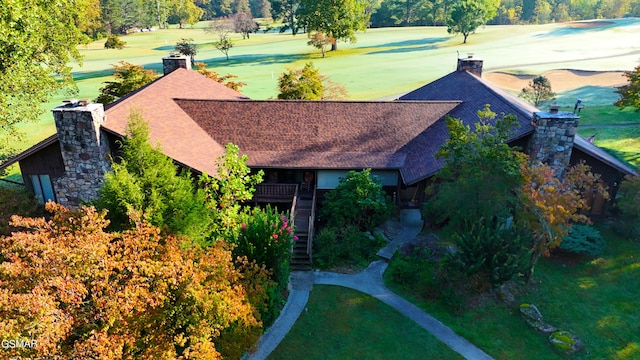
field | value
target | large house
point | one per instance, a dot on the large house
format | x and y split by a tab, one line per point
297	142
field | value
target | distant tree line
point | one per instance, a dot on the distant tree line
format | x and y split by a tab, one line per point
119	16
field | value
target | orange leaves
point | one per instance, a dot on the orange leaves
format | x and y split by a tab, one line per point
82	292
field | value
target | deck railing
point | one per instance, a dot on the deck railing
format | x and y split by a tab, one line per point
275	192
312	218
292	211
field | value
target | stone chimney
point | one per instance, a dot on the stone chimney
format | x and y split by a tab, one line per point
471	65
175	61
552	141
85	151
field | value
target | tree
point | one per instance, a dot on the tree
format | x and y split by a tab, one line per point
185	12
146	181
244	24
187	47
338	19
308	84
549	205
484	178
479	176
233	185
221	27
319	41
630	93
358	201
38	42
260	8
224	80
402	12
135	294
538	91
629	205
128	77
114	42
466	17
286	10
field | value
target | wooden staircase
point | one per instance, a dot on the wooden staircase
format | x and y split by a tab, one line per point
301	254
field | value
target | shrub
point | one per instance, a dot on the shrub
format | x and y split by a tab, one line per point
492	251
358	200
583	239
629	206
114	42
266	237
344	246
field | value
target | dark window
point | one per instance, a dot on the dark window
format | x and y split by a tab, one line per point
43	188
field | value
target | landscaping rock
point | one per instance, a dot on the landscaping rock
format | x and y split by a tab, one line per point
503	294
534	318
565	342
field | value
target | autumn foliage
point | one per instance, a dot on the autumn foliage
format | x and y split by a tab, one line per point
82	292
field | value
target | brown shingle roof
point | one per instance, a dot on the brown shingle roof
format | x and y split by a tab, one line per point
180	137
319	134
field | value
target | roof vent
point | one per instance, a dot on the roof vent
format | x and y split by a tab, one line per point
84	102
553	108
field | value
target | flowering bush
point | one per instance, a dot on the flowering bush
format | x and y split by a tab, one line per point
266	237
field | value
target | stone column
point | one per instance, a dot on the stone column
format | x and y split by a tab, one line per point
85	152
552	141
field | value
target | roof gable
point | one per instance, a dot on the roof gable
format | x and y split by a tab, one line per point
178	135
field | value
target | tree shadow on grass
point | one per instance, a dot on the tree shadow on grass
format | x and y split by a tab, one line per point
406	46
590	95
254	59
581	27
165	48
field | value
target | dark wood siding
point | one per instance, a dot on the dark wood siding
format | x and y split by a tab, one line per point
46	161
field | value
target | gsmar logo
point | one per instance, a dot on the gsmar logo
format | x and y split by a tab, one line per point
18	343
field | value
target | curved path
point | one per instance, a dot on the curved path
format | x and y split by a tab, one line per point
368	281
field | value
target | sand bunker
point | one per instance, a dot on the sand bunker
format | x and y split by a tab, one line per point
561	80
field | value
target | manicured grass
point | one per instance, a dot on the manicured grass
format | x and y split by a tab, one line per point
608	114
622	142
346	324
596	299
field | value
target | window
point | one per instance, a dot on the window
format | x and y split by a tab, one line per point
43	188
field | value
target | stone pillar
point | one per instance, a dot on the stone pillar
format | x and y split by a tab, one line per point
471	65
175	61
552	141
85	152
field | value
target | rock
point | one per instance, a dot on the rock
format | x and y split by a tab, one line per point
565	342
530	312
503	294
534	318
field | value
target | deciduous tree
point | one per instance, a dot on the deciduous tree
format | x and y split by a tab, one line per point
538	91
244	24
319	41
128	77
38	43
286	10
222	79
222	28
187	47
630	93
466	17
81	292
338	19
308	84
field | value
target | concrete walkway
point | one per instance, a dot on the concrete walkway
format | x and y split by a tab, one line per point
368	281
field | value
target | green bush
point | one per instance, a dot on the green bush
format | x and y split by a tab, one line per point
629	205
345	246
584	240
491	251
114	42
358	200
266	237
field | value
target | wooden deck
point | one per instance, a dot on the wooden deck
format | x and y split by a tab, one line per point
275	193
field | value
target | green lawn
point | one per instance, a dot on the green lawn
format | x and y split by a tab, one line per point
346	324
383	62
594	298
